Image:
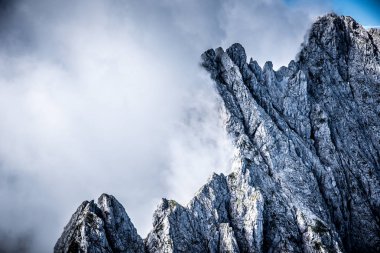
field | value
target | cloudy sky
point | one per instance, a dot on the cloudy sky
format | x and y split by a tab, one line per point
108	96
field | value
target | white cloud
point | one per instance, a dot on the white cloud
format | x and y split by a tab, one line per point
269	30
100	96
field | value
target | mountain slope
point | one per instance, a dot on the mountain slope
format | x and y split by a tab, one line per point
306	174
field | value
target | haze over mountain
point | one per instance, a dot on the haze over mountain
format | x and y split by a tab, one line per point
306	172
109	96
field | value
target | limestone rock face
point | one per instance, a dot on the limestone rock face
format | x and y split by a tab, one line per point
101	227
305	176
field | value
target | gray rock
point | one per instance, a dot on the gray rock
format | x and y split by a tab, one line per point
85	232
308	136
175	229
305	177
121	233
227	240
102	227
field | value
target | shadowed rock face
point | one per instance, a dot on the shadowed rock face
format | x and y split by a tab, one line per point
306	172
101	227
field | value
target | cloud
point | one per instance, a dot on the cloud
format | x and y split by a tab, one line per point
269	30
108	96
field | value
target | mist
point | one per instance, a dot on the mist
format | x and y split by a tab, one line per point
109	96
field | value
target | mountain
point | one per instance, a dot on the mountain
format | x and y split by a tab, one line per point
306	175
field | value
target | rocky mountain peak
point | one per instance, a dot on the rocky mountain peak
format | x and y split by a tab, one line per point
306	174
100	227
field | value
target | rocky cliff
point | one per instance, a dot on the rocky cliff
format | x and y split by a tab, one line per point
306	173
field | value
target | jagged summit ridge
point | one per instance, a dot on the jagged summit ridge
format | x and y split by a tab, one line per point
306	175
100	227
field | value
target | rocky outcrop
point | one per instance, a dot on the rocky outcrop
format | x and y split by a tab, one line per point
306	172
101	227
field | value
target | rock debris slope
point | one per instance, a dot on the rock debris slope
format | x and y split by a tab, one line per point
306	172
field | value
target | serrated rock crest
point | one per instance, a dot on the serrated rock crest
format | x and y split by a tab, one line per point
306	174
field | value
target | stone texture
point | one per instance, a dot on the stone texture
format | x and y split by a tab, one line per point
121	233
101	227
308	135
305	176
85	231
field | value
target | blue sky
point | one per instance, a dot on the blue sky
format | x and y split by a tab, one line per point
366	12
